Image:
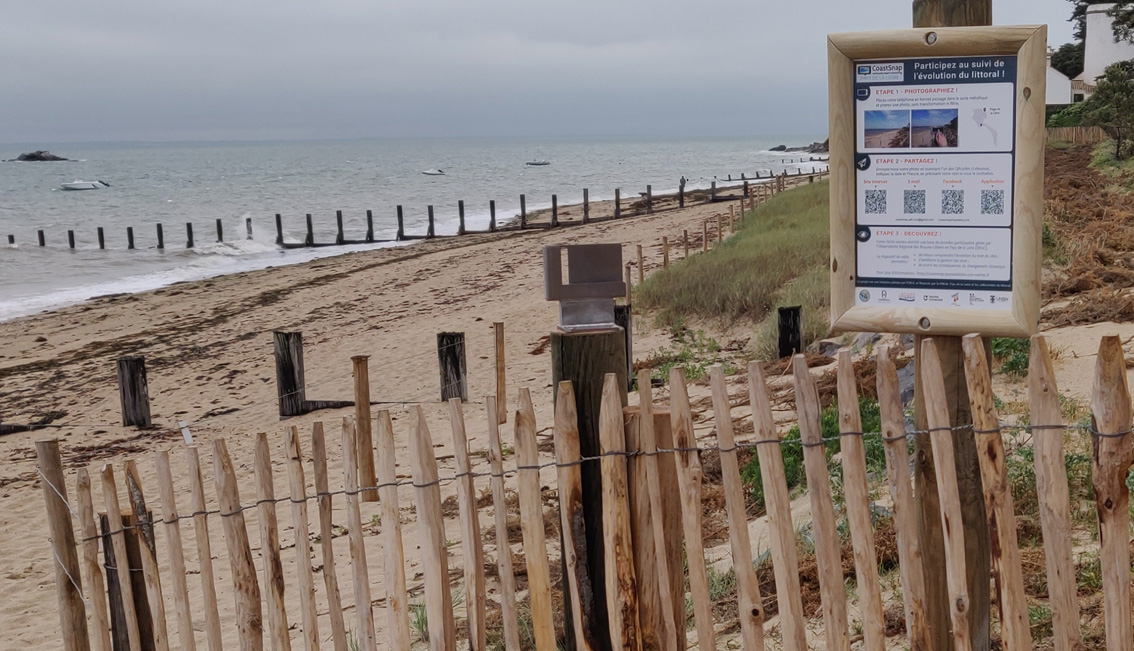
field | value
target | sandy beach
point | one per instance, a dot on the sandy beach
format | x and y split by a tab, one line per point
208	349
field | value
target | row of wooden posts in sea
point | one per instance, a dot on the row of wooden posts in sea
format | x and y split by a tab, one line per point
522	223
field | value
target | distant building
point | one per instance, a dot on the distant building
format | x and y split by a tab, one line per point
1058	84
1100	51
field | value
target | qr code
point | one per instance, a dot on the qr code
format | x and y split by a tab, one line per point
876	202
914	202
952	202
992	202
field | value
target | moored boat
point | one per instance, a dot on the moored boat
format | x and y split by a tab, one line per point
84	185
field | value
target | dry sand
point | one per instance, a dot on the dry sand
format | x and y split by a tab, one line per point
208	348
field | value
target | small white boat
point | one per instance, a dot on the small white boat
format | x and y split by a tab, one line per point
537	163
84	185
433	173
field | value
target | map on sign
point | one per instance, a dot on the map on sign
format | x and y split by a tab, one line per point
934	169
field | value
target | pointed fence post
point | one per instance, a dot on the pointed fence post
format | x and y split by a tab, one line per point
68	587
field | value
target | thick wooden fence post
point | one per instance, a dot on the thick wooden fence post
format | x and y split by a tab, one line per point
665	252
641	266
584	359
96	586
451	358
297	490
791	330
326	537
144	530
68	585
290	385
204	550
393	558
949	494
471	543
363	425
134	391
501	380
270	545
952	13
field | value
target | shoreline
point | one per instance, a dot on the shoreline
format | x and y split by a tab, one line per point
538	217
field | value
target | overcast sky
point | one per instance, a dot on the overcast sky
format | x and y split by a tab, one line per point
74	70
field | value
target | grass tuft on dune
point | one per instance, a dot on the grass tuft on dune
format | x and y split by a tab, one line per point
778	257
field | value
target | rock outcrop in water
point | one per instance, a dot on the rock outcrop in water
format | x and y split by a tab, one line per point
38	156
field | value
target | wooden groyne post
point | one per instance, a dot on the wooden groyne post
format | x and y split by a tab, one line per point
71	239
492	216
586	206
189	235
430	232
617	202
523	212
279	229
247	228
101	239
369	226
160	238
554	211
649	199
129	237
290	385
401	225
310	239
339	222
220	231
134	391
790	321
451	358
41	242
461	217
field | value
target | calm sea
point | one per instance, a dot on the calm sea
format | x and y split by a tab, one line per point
178	183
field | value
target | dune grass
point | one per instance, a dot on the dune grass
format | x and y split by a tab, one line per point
778	257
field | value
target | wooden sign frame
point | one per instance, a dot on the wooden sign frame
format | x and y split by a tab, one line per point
1029	46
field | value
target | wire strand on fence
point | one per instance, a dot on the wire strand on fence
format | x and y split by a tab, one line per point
745	445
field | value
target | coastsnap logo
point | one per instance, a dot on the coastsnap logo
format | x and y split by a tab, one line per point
881	72
864	296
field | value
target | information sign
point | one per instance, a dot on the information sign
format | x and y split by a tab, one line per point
936	135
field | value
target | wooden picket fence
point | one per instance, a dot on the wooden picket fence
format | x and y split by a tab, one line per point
650	464
1077	135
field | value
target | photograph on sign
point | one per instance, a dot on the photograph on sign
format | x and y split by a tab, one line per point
929	234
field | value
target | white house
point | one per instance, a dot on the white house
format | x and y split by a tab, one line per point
1100	51
1058	84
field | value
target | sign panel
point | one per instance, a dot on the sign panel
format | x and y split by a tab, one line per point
937	178
934	159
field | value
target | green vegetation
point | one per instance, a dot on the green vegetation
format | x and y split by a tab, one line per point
745	275
1013	354
1072	116
793	452
692	352
1112	107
